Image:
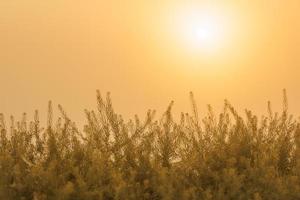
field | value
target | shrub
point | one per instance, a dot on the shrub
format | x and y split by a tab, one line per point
224	156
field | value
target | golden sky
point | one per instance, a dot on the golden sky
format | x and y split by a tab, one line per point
140	51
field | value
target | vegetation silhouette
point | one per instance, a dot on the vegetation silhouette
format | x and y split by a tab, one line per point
224	156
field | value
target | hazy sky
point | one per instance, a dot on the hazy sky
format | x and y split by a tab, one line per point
64	50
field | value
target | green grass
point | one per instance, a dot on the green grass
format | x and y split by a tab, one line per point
220	157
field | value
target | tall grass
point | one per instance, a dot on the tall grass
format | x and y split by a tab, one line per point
220	157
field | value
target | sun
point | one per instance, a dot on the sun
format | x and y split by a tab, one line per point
207	30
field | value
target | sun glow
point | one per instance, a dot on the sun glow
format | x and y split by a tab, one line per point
206	30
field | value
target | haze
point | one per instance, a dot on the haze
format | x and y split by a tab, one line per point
63	50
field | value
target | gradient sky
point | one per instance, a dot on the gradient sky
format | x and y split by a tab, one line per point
63	50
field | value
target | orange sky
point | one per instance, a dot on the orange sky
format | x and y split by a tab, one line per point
64	50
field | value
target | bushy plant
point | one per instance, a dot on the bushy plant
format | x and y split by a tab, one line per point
222	157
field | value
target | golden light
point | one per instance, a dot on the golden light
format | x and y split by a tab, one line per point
205	29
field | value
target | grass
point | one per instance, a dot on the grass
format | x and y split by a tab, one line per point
220	157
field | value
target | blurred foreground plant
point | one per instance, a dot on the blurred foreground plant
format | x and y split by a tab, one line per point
224	156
